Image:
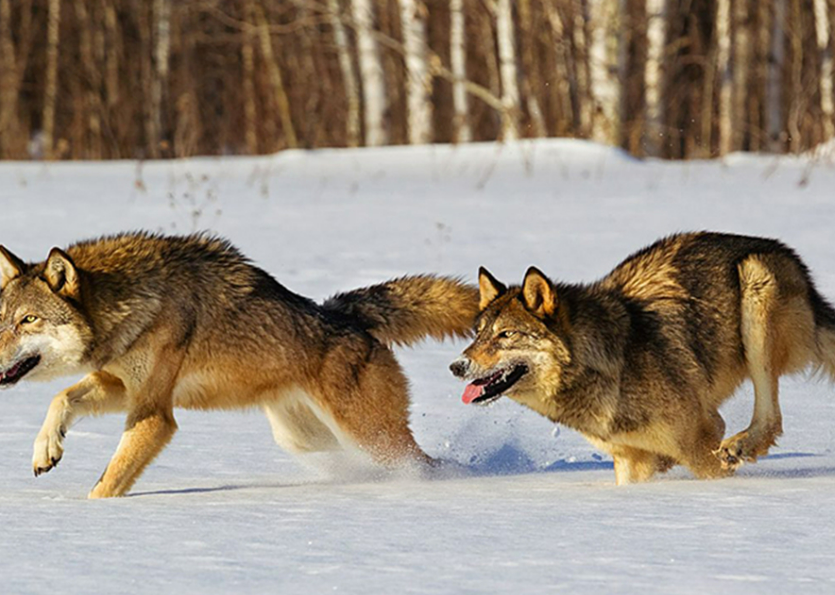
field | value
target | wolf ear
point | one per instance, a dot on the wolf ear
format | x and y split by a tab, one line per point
60	273
10	267
489	288
538	293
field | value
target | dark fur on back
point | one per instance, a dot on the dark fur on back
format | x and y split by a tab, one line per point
400	311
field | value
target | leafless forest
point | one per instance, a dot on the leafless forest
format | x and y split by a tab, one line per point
103	79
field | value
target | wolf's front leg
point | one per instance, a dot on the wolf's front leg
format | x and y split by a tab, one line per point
94	394
150	379
146	434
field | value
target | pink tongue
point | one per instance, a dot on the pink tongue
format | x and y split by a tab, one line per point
472	392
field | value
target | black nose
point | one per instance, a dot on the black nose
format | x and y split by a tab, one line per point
458	367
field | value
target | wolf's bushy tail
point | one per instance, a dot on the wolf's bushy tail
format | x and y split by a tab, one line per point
405	310
824	315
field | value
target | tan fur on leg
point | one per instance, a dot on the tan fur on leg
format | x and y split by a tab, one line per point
142	441
759	297
95	394
149	378
633	465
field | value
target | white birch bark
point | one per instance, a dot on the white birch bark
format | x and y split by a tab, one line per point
822	34
53	29
605	69
723	72
418	81
349	78
507	61
656	35
458	57
371	74
774	87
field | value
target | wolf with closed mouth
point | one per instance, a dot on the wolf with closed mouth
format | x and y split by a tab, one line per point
640	361
158	322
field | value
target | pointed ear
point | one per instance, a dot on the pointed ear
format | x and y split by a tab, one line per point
60	273
489	288
10	267
538	293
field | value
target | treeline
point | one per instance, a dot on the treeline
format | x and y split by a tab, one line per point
103	79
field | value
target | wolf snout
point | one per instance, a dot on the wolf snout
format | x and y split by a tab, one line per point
460	367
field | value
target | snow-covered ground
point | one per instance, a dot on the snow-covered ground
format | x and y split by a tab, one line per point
534	508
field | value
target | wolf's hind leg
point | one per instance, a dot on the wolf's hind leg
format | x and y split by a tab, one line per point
759	299
296	424
635	465
373	410
95	394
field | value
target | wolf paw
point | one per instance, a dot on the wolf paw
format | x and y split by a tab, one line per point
49	448
730	456
745	447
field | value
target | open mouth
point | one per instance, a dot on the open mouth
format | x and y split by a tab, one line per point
19	370
488	389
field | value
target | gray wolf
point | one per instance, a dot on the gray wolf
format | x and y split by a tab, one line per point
161	322
640	361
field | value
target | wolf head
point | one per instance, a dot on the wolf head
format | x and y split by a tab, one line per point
43	333
521	345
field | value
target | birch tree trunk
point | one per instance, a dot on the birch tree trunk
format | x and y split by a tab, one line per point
111	79
507	61
418	81
349	78
723	72
458	58
91	148
774	86
276	81
741	68
146	72
758	139
248	63
583	98
162	50
822	34
8	82
606	68
53	30
371	74
564	93
530	80
656	36
797	102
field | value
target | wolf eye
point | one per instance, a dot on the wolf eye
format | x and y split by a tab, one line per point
506	334
29	319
